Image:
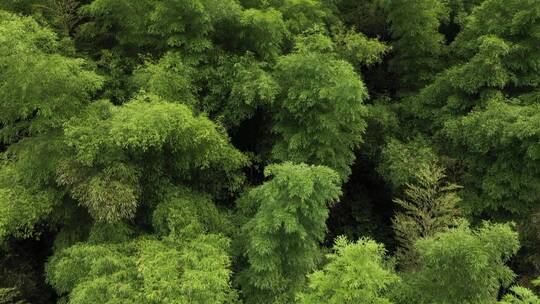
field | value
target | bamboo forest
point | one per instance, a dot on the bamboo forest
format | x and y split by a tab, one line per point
270	151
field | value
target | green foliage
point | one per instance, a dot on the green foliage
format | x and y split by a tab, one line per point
22	206
128	128
417	44
514	23
122	16
110	233
320	115
301	15
356	273
367	16
402	161
185	215
112	143
24	6
10	296
382	121
31	104
185	265
462	265
262	32
285	222
237	86
252	87
520	295
170	78
33	110
358	49
507	130
475	103
430	207
205	275
182	23
529	232
22	209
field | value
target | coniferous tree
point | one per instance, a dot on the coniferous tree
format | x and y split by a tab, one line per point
430	207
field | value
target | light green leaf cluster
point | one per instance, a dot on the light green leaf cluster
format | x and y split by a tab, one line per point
358	49
21	209
170	78
463	265
33	110
520	295
320	112
10	296
187	264
356	273
112	143
22	204
185	215
31	104
286	221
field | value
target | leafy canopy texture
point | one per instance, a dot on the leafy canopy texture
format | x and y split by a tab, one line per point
430	207
269	151
144	271
474	104
186	263
463	265
33	109
418	43
113	144
31	104
287	217
356	273
520	295
321	116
